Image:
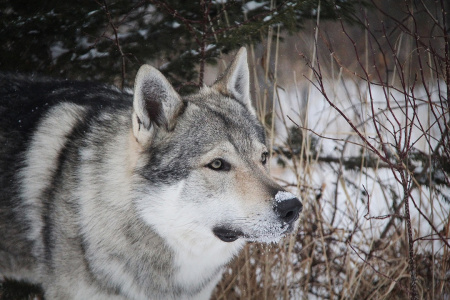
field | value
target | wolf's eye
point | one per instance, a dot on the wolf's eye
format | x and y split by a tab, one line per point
219	165
264	157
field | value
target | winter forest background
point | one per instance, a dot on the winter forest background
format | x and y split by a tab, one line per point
354	97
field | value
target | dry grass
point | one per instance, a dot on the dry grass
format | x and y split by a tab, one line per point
366	146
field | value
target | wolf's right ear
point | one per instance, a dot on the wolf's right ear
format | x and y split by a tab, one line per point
155	105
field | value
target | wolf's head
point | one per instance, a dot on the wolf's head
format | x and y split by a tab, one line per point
202	170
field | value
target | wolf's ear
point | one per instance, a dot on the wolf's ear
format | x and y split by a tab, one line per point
236	80
155	103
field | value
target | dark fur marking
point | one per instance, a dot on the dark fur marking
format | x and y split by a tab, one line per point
154	111
79	129
15	289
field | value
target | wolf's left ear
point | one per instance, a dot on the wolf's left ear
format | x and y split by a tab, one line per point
156	104
236	80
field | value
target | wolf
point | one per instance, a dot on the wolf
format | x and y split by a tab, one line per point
146	195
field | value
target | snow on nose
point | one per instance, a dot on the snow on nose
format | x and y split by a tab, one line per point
287	206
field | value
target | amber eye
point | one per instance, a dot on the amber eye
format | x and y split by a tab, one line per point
216	164
264	157
219	164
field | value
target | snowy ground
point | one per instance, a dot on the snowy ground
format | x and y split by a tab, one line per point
306	106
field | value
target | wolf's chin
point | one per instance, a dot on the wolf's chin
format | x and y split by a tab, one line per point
228	235
268	237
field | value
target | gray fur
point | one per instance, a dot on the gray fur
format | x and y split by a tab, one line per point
108	195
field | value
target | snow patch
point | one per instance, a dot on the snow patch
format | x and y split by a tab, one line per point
92	12
252	5
283	196
267	18
174	24
93	53
143	32
58	49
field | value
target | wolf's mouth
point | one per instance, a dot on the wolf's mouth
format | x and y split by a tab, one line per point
226	234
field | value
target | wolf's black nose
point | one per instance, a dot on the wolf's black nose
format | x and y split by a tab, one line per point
288	209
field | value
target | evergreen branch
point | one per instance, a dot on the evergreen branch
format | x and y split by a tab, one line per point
174	13
251	20
117	42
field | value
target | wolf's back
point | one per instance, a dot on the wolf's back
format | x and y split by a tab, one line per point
40	120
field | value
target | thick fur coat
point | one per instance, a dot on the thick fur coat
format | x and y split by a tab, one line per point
111	195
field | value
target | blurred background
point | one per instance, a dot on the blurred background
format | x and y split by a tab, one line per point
354	98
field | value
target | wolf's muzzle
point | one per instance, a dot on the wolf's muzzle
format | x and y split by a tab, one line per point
288	210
